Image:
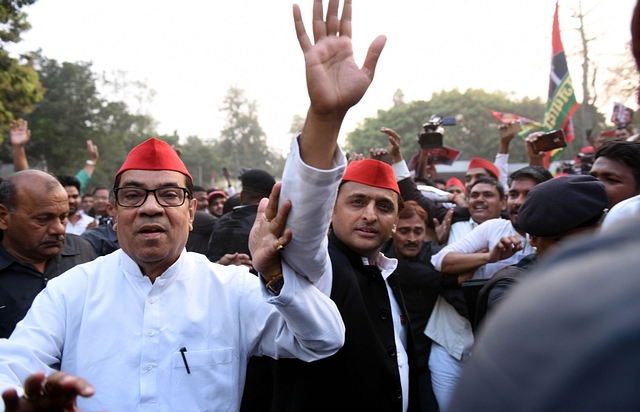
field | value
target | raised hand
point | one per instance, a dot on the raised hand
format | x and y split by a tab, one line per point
394	143
92	151
443	229
535	159
58	392
505	248
334	81
20	133
267	237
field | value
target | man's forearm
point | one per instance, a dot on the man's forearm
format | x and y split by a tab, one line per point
19	158
318	141
458	263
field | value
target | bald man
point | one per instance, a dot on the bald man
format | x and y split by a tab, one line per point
34	209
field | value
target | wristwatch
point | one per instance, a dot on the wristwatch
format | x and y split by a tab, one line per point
91	163
275	284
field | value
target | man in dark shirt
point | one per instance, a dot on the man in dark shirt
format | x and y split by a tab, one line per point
231	232
104	238
33	214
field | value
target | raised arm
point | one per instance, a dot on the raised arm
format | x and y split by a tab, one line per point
535	159
334	81
410	191
316	163
20	135
84	175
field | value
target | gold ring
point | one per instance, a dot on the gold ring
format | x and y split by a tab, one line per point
265	218
279	247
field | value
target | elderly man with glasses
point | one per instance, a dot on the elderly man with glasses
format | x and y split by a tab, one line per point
153	327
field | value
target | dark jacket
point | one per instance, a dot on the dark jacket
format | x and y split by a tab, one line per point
231	232
421	284
199	236
363	375
103	239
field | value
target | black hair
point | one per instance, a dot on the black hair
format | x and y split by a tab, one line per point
99	188
8	197
67	180
627	153
537	173
490	180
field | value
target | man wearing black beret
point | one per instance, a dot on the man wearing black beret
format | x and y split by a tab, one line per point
554	210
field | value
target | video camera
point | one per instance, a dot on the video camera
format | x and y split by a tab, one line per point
431	136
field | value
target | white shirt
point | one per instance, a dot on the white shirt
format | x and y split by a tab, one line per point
623	210
461	229
106	322
486	235
80	226
315	191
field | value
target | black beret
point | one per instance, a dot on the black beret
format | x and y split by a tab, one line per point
561	204
257	180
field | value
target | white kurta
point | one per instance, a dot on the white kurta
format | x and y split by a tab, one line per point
486	235
106	322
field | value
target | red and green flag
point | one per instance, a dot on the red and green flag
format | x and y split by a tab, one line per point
562	100
528	125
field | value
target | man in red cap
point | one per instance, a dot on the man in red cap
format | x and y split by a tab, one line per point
152	326
374	369
478	168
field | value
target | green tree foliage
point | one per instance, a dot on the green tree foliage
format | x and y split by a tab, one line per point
242	143
201	161
73	112
476	132
20	88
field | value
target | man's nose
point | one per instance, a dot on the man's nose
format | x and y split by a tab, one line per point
370	212
150	205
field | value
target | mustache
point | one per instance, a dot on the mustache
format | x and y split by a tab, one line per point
411	244
56	238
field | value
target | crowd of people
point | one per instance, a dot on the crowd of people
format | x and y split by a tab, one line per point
351	285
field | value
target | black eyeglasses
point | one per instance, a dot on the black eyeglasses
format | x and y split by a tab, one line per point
171	196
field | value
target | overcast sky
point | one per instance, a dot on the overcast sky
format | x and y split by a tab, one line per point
190	52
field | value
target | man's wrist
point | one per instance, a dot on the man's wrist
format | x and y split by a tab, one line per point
275	284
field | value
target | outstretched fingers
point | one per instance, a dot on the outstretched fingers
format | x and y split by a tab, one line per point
333	22
319	26
373	54
275	218
345	21
301	32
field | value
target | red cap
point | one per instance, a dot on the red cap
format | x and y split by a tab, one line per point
454	181
477	162
154	154
216	193
371	172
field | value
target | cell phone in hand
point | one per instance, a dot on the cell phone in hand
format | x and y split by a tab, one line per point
514	127
549	141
